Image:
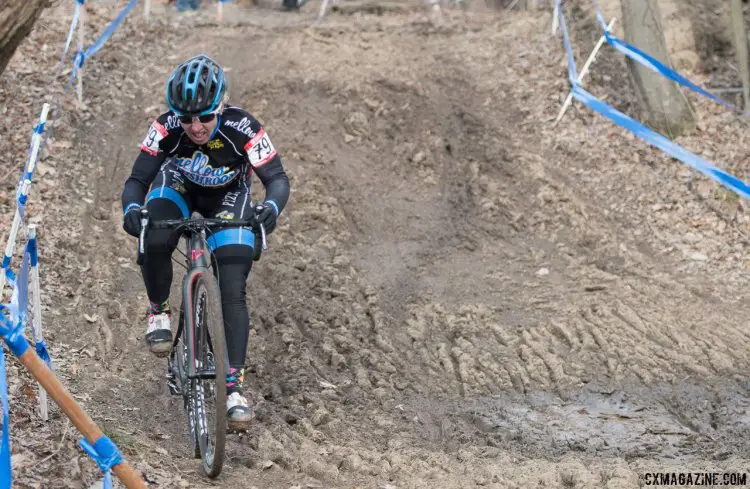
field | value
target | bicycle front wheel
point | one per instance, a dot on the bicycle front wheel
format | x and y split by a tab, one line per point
181	359
209	387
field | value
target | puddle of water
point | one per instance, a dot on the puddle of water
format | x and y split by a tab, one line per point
666	422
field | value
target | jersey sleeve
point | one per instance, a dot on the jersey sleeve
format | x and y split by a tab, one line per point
154	150
245	131
275	180
259	148
266	164
152	142
162	135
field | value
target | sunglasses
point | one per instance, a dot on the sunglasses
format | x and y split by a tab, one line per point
188	119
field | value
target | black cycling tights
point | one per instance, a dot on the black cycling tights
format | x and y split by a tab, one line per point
234	263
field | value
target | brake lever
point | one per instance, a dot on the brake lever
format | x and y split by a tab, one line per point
258	209
142	238
263	236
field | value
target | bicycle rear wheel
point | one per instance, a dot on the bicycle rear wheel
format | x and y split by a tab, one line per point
209	388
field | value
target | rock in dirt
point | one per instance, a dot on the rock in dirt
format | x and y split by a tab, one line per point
320	416
351	463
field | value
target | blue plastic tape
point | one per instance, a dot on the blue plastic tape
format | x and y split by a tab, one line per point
13	334
71	31
664	144
80	57
572	72
79	60
110	29
105	454
643	132
33	252
43	353
654	64
22	192
97	45
10	278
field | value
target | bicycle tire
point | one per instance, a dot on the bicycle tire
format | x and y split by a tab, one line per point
181	356
208	322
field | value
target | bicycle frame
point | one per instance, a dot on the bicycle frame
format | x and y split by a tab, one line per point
199	262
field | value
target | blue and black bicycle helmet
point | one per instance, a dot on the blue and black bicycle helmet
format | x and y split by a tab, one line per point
196	87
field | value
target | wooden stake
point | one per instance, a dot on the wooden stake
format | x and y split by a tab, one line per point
77	415
323	8
584	70
147	10
25	187
555	19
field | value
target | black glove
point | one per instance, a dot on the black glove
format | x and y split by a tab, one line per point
267	216
132	221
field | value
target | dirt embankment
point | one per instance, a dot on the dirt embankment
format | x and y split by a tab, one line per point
458	294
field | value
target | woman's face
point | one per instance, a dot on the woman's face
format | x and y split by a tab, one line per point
199	132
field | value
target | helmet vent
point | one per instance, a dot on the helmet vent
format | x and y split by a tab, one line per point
196	86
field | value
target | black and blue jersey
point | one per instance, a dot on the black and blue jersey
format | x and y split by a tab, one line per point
238	147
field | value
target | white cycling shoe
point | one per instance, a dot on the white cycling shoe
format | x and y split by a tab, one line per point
239	413
159	333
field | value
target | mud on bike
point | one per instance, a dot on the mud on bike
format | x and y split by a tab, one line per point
197	364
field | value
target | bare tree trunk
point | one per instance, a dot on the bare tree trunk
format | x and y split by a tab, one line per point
17	17
740	46
665	107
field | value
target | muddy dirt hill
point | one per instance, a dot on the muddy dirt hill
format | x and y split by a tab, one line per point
460	294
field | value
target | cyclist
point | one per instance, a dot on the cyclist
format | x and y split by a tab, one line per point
292	4
184	5
200	155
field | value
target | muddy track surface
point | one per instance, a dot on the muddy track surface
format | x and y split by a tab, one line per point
458	294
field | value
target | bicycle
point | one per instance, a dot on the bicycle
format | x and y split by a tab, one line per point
198	350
